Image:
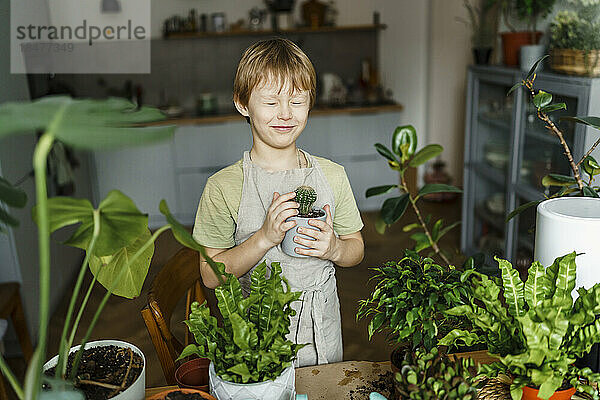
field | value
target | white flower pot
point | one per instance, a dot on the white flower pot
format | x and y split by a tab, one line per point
282	388
529	54
288	245
137	391
570	224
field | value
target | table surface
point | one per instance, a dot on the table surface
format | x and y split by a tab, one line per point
343	380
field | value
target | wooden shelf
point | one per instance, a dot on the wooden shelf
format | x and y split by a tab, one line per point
215	119
322	29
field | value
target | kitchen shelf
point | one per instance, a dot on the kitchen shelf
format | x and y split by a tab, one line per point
267	32
229	117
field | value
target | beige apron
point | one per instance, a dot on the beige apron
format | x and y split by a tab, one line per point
317	320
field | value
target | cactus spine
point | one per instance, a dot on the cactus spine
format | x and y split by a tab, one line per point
306	197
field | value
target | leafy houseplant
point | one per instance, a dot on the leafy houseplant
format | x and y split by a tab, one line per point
251	346
535	327
305	197
401	158
433	376
114	235
410	299
483	20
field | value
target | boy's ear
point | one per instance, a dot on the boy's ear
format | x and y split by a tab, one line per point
242	109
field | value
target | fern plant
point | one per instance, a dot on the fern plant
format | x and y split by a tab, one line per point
534	327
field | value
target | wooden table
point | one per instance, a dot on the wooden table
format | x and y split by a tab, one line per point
343	380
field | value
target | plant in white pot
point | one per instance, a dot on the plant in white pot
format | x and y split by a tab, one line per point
305	197
118	245
251	358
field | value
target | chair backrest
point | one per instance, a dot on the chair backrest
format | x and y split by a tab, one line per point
180	275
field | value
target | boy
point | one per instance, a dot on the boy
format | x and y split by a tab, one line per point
241	218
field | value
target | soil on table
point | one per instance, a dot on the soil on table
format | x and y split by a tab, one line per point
178	395
104	371
312	214
383	384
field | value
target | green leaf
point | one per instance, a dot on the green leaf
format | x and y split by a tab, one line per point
6	218
410	227
120	221
85	123
535	286
594	122
384	151
12	196
589	192
437	188
393	209
513	288
459	337
189	350
522	208
515	87
425	154
436	229
377	190
380	225
565	279
244	334
108	268
558	180
535	65
591	166
542	99
448	229
553	107
404	135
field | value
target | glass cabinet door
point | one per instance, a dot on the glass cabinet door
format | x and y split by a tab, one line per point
542	151
525	235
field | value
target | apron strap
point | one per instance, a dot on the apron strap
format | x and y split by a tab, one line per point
313	305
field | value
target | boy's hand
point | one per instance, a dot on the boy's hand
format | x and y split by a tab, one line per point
275	227
325	243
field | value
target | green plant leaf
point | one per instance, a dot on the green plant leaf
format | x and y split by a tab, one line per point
410	227
425	154
513	288
437	188
591	166
384	151
589	192
558	180
107	268
553	107
404	141
535	65
380	225
594	122
522	208
377	190
12	196
535	286
6	218
515	87
393	209
542	99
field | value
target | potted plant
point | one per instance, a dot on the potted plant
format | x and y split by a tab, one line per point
483	20
305	197
182	394
529	11
250	355
575	40
409	303
432	375
535	327
114	235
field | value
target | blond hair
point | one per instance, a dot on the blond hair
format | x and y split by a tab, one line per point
276	59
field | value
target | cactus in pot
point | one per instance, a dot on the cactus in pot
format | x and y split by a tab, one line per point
305	197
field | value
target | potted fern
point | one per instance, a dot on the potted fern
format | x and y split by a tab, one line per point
114	235
535	328
251	358
305	197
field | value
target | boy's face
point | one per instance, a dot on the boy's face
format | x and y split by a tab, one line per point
277	115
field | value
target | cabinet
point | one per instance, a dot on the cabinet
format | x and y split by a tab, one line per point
508	151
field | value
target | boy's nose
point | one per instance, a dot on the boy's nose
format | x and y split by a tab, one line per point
284	112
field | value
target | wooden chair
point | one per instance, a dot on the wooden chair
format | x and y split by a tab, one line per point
180	275
11	307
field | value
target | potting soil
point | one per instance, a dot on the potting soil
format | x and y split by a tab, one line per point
104	365
183	396
383	385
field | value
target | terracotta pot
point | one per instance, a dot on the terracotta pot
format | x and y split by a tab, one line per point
162	395
511	45
193	374
531	394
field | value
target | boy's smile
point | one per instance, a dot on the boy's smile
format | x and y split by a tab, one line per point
277	114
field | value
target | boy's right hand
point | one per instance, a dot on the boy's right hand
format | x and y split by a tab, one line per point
275	225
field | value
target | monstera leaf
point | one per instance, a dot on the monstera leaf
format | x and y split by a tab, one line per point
12	197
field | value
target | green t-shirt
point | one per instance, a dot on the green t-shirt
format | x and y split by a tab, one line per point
217	213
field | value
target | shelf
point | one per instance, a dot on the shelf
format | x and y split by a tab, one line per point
493	174
496	123
235	117
267	32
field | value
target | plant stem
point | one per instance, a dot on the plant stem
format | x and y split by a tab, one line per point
40	155
80	313
10	377
588	153
413	202
77	359
61	365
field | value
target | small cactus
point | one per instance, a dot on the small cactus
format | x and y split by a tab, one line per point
429	376
306	197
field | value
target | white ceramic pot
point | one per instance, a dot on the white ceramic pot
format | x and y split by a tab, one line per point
137	391
529	54
288	245
282	388
569	224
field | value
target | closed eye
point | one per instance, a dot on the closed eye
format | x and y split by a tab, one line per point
270	104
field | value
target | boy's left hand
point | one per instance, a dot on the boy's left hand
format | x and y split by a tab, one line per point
325	243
